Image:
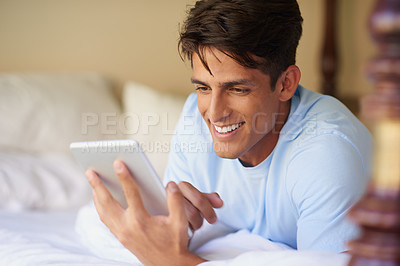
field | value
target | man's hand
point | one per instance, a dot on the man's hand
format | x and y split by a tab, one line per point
155	240
199	205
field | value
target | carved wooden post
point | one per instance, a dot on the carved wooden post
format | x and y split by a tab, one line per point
329	52
378	213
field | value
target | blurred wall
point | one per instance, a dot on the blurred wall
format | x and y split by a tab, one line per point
353	42
137	40
356	47
123	39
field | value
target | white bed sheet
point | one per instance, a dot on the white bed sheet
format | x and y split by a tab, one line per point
49	238
43	238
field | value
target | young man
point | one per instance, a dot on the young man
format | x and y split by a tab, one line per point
287	162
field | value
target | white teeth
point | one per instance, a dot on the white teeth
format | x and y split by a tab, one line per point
227	128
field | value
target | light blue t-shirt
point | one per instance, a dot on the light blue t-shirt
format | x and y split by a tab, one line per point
300	193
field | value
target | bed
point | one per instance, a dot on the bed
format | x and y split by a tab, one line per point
46	213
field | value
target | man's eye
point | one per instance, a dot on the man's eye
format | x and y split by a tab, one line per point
239	91
203	89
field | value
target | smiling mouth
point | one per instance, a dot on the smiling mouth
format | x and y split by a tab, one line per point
228	129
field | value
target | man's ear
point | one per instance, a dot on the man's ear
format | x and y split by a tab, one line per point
289	81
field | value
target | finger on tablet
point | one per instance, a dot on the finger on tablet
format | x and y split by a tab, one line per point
105	203
130	188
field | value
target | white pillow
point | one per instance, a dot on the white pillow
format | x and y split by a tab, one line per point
48	181
45	112
40	114
150	118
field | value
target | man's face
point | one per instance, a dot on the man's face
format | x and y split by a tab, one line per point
239	107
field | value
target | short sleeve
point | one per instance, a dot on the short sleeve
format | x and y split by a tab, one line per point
324	179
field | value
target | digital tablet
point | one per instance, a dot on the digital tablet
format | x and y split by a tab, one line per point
100	155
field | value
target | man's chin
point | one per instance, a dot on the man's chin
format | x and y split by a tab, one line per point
224	150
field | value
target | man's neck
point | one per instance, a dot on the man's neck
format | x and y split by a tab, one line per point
259	152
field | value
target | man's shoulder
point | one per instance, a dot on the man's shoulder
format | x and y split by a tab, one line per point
323	135
314	114
308	105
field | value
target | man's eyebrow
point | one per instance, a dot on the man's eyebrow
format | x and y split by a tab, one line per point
233	83
196	81
228	84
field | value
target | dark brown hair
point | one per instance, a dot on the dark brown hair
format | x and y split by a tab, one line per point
261	34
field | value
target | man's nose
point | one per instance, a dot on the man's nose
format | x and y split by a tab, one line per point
219	108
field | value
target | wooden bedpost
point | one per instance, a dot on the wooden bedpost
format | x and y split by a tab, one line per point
378	212
329	57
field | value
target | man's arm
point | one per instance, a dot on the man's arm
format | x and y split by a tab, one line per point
324	179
